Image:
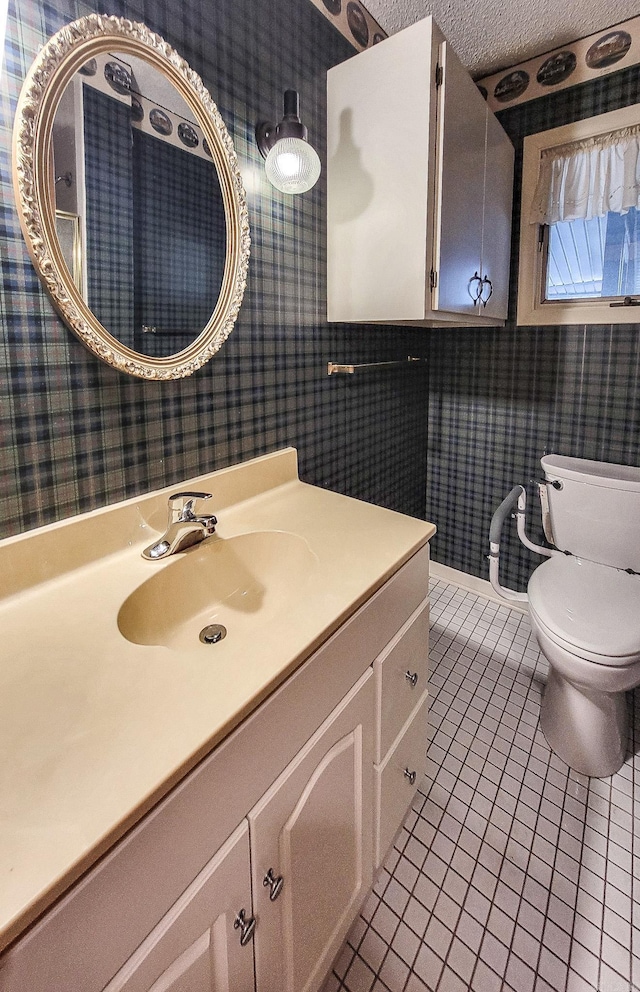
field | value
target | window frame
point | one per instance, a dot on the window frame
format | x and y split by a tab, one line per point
532	308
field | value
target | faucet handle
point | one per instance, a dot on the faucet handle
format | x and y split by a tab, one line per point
181	505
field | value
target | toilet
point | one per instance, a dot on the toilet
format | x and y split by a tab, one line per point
584	606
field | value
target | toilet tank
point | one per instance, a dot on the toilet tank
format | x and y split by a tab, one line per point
595	509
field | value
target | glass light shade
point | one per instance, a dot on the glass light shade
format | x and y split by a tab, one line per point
292	165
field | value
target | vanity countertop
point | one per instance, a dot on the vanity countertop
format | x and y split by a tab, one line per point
95	729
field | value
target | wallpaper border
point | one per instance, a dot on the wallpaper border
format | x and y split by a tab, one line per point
599	54
353	21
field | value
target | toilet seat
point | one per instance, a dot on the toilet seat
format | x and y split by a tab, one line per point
590	610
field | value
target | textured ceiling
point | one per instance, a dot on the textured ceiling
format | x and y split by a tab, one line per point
488	35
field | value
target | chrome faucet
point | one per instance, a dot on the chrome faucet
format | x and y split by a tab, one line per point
185	527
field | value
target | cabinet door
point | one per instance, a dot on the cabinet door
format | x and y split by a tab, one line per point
380	152
314	829
196	947
496	241
460	188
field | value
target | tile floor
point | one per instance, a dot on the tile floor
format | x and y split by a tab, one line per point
512	873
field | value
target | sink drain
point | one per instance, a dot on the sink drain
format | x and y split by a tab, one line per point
213	633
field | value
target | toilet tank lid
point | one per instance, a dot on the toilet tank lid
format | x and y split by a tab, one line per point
606	474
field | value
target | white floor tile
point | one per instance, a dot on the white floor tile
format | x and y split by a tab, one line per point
513	872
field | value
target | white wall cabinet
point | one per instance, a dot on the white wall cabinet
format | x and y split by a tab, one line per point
181	904
420	180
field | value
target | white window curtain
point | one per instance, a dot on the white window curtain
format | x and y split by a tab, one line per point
587	179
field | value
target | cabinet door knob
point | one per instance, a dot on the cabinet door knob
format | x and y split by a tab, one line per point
275	884
246	927
412	679
410	775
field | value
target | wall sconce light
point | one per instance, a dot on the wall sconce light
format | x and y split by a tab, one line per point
292	164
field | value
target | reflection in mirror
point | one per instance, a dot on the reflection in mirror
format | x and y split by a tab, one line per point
136	187
134	211
70	238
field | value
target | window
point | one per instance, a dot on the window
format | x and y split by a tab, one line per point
580	223
595	258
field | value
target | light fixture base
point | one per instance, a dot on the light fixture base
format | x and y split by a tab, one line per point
289	127
265	137
267	133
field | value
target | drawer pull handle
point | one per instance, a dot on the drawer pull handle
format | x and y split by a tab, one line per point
275	884
410	775
246	927
413	679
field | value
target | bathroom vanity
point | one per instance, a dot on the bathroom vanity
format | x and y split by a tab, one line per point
190	816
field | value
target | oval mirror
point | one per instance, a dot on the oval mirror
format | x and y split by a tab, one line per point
130	198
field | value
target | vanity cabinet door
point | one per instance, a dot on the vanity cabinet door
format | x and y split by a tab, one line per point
313	829
197	947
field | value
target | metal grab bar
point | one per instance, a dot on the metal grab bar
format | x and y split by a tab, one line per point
334	368
509	503
516	500
505	509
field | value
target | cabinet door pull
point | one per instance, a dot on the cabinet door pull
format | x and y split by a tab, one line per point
275	884
412	679
410	775
246	927
485	281
476	293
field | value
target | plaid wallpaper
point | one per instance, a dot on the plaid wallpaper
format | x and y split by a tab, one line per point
76	434
109	204
499	398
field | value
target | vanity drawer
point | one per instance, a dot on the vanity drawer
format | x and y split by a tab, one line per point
401	678
394	790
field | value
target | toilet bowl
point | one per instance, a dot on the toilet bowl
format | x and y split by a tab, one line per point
586	619
584	607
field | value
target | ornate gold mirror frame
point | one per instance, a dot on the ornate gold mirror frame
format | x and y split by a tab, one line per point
52	70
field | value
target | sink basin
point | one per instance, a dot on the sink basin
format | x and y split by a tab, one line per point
227	581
